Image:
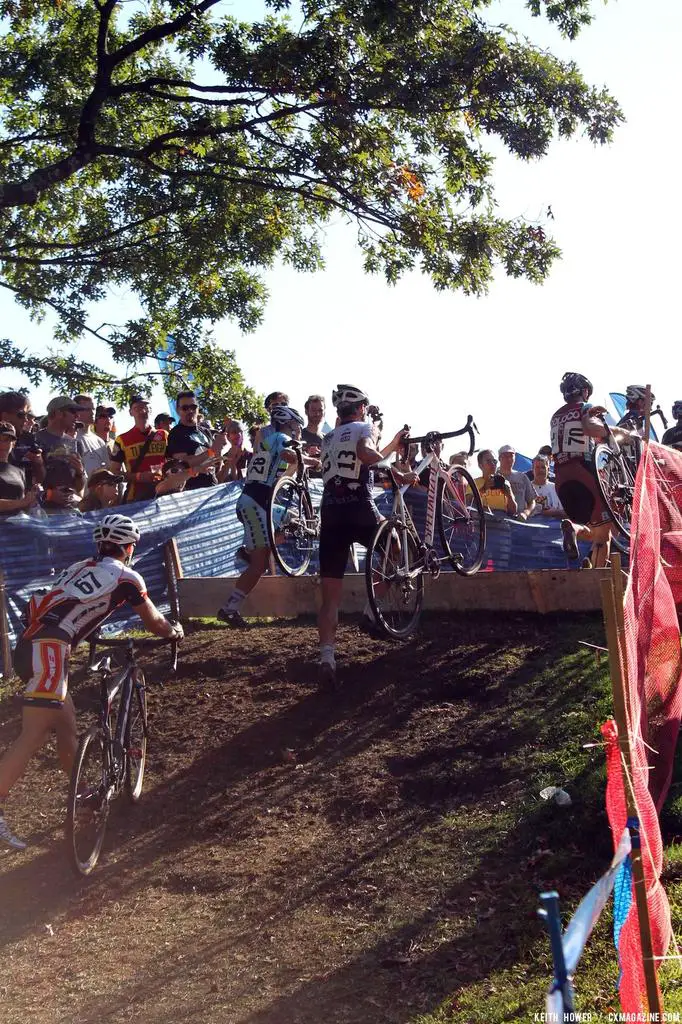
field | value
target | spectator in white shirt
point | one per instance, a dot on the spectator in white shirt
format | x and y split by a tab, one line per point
520	484
91	448
547	502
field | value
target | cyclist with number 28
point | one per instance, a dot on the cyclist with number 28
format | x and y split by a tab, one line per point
575	430
348	512
83	596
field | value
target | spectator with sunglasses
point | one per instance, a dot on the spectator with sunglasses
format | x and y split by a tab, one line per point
15	409
176	473
195	446
142	450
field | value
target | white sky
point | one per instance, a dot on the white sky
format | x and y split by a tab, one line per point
609	308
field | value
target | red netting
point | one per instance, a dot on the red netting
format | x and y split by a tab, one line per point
653	695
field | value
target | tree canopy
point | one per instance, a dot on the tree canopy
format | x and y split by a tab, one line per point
168	149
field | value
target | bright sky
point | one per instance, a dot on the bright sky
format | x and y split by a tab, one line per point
609	308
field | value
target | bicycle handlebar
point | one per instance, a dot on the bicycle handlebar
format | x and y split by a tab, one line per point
436	435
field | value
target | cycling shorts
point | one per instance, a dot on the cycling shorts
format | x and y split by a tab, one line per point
578	493
43	664
254	519
343	525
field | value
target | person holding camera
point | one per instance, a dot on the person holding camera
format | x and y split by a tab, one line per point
496	492
27	456
14	497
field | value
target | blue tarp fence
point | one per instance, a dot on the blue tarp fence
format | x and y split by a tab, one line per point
205	526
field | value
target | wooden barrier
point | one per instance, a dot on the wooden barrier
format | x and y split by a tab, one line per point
543	590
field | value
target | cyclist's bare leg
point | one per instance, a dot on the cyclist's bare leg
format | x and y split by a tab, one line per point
257	566
35	727
599	536
66	730
328	617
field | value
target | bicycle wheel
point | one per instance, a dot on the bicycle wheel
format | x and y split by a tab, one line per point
292	527
136	741
616	483
461	522
88	807
395	579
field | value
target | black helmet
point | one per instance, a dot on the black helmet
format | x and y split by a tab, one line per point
573	384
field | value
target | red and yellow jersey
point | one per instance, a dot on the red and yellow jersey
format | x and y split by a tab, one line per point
127	450
83	596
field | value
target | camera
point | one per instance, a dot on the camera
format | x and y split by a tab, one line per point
499	482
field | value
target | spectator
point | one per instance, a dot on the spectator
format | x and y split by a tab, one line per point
63	486
496	491
524	495
13	494
237	457
142	451
103	491
311	434
15	409
164	421
276	398
62	413
459	459
254	432
672	436
546	450
104	425
91	448
547	502
437	448
176	473
192	444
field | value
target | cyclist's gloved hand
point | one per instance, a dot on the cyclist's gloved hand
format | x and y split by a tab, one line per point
178	631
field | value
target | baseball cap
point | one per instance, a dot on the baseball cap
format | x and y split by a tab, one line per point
104	410
62	402
104	476
506	448
7	430
164	417
138	398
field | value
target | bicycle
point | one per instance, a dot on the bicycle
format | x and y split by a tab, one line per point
615	470
111	755
293	524
398	558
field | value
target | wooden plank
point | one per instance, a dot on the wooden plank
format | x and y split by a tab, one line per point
5	647
173	575
545	591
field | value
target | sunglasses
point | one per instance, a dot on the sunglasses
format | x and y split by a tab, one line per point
22	415
187	408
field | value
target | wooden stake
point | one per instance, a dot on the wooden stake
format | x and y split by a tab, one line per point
647	420
173	574
618	668
5	649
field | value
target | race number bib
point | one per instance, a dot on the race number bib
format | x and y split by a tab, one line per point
339	456
91	581
569	438
259	467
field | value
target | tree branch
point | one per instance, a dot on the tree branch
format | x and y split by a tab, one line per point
42	300
160	32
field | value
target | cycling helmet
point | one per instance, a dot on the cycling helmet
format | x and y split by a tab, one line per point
281	414
117	529
637	392
574	383
677	409
346	394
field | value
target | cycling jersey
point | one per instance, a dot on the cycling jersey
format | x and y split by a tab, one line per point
266	466
127	450
82	597
346	478
673	436
569	440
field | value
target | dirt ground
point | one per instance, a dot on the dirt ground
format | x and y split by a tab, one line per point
301	857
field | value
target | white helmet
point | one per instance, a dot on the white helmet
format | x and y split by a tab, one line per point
637	392
281	414
346	394
117	529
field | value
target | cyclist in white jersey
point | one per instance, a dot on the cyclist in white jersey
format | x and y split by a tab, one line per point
348	512
83	596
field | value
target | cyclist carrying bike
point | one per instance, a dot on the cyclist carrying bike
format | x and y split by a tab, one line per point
575	430
272	457
634	418
673	436
83	596
348	512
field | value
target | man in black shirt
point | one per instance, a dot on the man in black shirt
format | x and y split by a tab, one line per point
673	436
15	408
189	442
312	432
13	495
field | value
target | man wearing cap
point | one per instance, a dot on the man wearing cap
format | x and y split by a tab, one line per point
62	413
104	425
103	491
142	451
164	421
521	486
13	494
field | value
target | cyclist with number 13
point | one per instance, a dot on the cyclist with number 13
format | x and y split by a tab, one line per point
83	596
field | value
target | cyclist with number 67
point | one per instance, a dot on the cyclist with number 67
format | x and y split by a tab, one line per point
83	596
